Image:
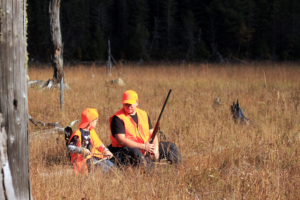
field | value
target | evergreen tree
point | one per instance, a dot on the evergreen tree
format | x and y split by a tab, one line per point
169	22
249	25
100	17
288	26
155	28
189	28
170	29
38	30
136	45
139	35
75	25
262	30
120	32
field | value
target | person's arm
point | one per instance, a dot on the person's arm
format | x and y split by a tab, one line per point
105	151
77	150
73	149
72	146
155	141
156	145
129	143
108	154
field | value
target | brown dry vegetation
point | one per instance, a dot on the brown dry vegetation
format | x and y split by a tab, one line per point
223	160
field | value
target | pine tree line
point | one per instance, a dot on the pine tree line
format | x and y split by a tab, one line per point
169	29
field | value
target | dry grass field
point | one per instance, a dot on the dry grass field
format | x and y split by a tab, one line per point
222	160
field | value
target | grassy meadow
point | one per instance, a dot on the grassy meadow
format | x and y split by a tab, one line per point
222	160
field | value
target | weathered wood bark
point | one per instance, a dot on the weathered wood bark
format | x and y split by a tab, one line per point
6	188
56	47
56	41
13	93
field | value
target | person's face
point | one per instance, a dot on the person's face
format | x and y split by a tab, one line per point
130	108
93	123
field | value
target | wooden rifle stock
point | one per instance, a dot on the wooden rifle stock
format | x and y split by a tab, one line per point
155	130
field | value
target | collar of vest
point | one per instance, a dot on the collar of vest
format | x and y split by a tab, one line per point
122	112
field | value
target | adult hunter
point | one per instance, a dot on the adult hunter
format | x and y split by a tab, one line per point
131	131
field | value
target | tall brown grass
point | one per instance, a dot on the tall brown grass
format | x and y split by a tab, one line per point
222	160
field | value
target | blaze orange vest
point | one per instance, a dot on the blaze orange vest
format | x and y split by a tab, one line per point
77	160
137	133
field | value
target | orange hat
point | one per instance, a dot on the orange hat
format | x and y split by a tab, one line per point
129	97
87	116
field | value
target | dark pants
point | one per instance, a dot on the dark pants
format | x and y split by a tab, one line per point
133	156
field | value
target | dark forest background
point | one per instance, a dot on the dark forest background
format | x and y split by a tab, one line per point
192	30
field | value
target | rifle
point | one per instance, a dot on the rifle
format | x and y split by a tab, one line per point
158	120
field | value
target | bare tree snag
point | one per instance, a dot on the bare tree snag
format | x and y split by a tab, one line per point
56	41
56	48
13	96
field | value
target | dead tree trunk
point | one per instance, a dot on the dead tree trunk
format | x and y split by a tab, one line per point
13	97
56	42
56	47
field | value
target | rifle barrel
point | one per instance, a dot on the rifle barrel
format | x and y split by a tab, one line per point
162	110
158	120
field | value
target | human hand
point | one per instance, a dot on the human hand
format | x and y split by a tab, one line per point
149	147
85	152
155	154
108	154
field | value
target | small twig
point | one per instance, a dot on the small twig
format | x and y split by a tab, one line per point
30	119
